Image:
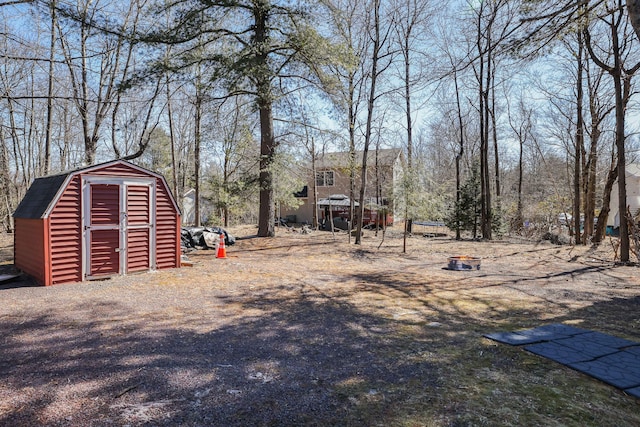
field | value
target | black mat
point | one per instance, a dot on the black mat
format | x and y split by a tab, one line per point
621	369
563	354
613	360
635	391
541	334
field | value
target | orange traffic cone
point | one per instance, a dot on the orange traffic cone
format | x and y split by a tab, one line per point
222	252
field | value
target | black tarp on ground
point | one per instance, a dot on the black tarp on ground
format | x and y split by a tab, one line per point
194	237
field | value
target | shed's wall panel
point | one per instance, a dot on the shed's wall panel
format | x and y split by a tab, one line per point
66	235
138	214
30	248
138	200
138	250
167	229
118	170
104	259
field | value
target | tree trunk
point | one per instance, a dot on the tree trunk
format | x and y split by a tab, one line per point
483	94
268	145
633	7
461	152
606	201
406	49
519	214
620	137
196	154
371	104
314	188
52	47
352	154
590	185
579	142
174	169
266	218
494	136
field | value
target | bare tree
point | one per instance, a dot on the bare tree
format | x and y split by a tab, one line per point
614	19
494	22
348	18
411	15
521	123
579	138
94	102
50	90
379	37
599	111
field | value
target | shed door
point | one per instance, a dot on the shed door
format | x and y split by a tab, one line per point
119	222
138	228
104	230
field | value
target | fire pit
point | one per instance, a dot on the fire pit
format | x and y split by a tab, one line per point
464	263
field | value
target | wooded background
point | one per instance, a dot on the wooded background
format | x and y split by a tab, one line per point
510	112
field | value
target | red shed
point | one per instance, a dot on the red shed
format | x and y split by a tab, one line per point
109	219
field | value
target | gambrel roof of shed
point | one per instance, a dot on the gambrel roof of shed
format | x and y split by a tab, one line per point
44	192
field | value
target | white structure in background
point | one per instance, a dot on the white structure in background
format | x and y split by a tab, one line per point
189	207
633	195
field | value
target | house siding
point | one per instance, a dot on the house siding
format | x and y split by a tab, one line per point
386	175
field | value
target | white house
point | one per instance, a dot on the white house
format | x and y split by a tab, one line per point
633	195
189	207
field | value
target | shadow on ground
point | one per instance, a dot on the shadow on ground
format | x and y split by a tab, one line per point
305	362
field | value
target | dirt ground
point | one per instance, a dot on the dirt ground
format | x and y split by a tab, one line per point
311	330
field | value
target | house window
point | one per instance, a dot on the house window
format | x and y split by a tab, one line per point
302	193
324	179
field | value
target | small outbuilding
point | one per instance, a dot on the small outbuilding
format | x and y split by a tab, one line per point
633	196
103	220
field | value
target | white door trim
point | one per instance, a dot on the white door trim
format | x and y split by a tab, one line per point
123	183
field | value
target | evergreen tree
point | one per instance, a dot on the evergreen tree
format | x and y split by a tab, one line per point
255	48
465	213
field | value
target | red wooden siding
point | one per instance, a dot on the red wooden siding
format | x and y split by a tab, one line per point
66	236
138	205
105	211
119	170
104	258
138	209
167	231
138	250
105	204
29	248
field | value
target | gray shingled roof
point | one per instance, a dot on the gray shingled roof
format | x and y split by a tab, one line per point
39	196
